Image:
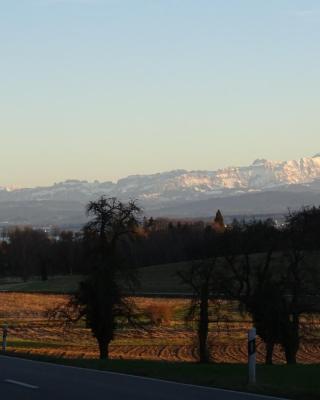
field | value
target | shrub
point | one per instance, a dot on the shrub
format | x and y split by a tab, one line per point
159	314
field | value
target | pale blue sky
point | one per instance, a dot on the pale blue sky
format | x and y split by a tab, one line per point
100	89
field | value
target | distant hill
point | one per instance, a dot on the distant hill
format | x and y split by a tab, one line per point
264	203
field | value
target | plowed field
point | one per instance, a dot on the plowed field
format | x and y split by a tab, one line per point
31	332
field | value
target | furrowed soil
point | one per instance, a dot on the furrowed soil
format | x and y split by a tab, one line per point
30	331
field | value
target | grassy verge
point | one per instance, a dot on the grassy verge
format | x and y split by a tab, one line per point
299	382
32	344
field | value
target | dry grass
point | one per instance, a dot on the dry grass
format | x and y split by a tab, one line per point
31	332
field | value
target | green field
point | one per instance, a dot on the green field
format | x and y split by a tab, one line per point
299	382
154	279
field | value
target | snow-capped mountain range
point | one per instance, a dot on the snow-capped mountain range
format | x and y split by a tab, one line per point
179	187
180	184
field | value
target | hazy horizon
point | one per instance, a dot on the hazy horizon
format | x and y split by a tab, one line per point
94	89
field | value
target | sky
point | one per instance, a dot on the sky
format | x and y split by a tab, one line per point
102	89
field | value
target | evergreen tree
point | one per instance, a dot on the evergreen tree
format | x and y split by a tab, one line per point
218	223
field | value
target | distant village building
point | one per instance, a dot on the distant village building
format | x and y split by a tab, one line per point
218	223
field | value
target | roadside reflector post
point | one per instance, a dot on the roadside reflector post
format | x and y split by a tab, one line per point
252	356
4	337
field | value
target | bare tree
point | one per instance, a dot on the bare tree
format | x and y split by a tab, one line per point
100	297
275	288
301	275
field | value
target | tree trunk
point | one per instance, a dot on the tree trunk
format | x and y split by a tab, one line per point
292	343
291	355
103	349
291	348
203	327
269	353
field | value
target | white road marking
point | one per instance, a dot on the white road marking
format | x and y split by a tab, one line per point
26	385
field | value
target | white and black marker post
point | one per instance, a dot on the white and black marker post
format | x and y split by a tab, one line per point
252	355
4	337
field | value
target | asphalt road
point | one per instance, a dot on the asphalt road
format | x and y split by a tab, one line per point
30	380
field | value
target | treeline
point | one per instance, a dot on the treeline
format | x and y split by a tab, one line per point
27	252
